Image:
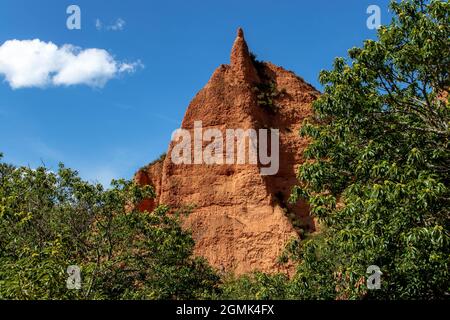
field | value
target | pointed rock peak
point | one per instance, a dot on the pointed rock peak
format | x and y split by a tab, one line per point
240	33
241	62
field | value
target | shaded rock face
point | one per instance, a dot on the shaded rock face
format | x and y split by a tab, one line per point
241	219
151	175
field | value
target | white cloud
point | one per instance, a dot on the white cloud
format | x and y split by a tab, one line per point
35	63
130	67
118	25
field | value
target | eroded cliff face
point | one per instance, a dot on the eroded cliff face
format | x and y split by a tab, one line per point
241	219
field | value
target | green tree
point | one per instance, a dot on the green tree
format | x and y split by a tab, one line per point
49	221
255	286
377	174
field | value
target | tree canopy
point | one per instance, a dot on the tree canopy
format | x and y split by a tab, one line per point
377	169
50	221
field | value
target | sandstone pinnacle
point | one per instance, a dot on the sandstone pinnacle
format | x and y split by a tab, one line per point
240	220
241	62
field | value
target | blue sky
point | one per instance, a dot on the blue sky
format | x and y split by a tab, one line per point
110	131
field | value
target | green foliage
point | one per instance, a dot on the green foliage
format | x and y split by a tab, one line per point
186	209
257	286
161	158
258	64
49	221
267	94
378	169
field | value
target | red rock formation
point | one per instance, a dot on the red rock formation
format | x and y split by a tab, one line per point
150	175
241	219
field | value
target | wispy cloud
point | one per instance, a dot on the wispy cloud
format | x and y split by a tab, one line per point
120	106
118	25
98	24
130	67
168	119
102	175
114	164
44	151
35	63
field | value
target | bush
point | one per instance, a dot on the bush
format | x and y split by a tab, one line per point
49	221
257	286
